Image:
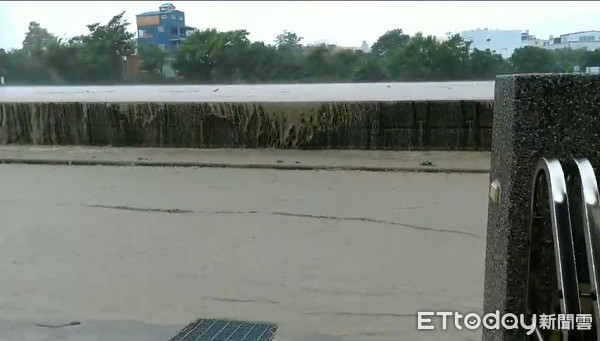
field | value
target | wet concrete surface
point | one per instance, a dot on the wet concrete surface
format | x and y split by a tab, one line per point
326	255
113	331
374	160
354	92
87	331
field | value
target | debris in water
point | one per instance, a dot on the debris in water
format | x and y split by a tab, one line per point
427	163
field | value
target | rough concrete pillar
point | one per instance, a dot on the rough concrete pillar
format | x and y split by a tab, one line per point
553	115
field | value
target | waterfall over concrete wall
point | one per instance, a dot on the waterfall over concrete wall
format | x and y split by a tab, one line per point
402	125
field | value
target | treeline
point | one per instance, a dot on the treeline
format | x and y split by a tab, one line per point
93	58
211	56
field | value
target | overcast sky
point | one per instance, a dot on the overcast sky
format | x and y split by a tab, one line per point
345	23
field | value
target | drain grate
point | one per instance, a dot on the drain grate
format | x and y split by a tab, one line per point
226	330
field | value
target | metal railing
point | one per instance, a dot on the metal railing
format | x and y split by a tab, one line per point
564	246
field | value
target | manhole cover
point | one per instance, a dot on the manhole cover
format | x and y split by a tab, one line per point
226	330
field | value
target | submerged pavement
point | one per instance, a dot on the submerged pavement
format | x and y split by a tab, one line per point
328	255
341	92
367	160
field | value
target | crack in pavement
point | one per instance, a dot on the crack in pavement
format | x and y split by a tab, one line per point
236	300
362	219
371	334
411	208
285	214
344	292
72	323
377	221
141	209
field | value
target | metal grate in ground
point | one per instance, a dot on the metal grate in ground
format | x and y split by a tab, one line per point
226	330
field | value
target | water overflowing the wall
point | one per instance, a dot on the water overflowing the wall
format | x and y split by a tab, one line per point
406	125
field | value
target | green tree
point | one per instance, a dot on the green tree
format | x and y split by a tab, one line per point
28	64
567	59
485	65
104	49
390	41
37	39
451	59
344	64
416	61
317	63
591	58
211	55
531	59
22	68
195	59
258	63
290	66
288	40
153	58
3	62
369	69
233	57
62	63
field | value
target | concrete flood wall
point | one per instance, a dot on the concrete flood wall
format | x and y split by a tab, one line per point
406	125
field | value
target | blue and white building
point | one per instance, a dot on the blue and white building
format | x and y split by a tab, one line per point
165	28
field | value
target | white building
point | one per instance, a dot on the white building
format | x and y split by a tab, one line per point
364	47
594	70
503	42
536	42
531	40
589	40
